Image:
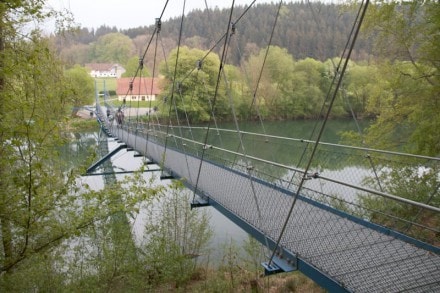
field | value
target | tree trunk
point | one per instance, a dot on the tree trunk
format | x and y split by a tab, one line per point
4	222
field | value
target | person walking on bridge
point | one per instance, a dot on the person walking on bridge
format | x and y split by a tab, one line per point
119	116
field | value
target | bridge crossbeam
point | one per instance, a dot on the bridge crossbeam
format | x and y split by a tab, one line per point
105	158
279	265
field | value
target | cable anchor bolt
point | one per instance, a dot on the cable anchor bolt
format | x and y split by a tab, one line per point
158	25
309	176
199	64
141	63
232	28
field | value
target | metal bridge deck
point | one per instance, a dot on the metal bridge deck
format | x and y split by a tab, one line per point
335	249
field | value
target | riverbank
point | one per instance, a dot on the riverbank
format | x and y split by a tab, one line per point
237	279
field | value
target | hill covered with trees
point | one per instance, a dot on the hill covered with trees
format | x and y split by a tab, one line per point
314	30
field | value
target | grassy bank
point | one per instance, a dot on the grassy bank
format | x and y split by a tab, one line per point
81	124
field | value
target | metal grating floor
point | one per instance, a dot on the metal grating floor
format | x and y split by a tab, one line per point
361	259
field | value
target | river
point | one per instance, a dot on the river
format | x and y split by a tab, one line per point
224	231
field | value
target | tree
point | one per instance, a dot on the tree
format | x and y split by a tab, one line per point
75	54
82	87
274	87
361	84
33	185
175	237
104	256
42	203
131	68
411	182
105	30
194	87
406	108
31	104
113	47
238	91
407	35
306	96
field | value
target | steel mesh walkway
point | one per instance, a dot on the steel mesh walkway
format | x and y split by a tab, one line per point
355	255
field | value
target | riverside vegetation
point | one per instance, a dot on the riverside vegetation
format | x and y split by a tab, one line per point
57	234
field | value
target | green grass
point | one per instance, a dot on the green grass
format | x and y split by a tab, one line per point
109	83
79	124
143	104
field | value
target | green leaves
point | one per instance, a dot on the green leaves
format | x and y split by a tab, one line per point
113	47
194	89
81	86
131	68
175	235
407	105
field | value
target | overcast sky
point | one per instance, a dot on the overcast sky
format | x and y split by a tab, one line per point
134	13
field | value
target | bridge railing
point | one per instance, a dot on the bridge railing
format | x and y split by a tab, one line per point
394	190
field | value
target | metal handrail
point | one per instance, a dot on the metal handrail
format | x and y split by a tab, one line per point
321	143
372	191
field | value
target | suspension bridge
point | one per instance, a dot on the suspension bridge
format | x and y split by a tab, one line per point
361	232
329	235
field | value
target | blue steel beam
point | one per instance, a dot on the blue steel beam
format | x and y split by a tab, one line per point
105	158
285	258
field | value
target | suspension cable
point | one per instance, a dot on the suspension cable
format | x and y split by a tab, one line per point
138	98
179	89
356	29
335	69
158	28
220	39
174	80
222	60
156	32
249	167
329	92
254	96
212	113
370	160
173	104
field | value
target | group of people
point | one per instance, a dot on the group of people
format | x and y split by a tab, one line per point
119	115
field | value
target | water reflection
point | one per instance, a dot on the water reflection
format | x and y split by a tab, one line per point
271	149
76	154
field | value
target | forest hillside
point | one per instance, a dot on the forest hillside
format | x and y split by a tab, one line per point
314	30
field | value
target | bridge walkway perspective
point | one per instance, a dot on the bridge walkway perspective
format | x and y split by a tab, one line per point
339	250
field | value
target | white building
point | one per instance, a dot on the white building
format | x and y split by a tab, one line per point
105	70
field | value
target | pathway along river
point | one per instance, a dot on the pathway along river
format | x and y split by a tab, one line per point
224	231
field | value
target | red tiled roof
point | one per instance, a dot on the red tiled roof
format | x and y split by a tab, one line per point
141	86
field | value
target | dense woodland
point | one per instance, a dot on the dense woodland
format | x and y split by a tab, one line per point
312	30
47	213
